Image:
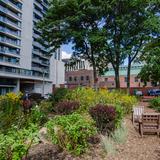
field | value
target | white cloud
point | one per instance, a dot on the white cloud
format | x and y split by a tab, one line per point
66	55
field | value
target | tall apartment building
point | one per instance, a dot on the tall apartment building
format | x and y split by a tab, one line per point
24	62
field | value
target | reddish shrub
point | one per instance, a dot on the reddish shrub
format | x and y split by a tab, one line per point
66	107
104	117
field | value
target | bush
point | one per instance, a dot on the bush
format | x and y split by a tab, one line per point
58	95
15	144
71	132
117	98
87	97
155	104
37	116
66	107
108	145
120	135
10	110
46	106
105	117
36	98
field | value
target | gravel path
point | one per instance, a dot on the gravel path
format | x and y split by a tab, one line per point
135	148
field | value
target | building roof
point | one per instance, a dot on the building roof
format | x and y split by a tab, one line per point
135	70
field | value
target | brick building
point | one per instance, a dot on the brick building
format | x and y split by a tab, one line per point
78	73
108	79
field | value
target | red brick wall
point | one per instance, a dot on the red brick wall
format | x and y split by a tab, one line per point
78	74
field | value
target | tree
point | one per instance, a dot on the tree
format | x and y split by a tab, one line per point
78	22
127	31
151	70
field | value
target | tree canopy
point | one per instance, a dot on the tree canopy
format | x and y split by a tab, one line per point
101	32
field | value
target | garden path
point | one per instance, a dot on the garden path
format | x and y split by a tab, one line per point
135	148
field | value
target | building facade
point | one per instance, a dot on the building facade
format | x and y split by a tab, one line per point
108	79
78	73
24	62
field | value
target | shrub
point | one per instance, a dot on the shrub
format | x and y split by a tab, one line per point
85	96
71	132
108	145
155	104
105	117
58	95
117	98
36	98
10	110
46	106
127	102
15	144
37	116
66	107
120	135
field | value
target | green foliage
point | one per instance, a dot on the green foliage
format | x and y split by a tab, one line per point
58	95
15	144
117	98
88	98
85	96
37	116
155	104
151	71
10	110
46	106
102	31
71	132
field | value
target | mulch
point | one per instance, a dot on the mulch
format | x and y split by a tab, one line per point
135	148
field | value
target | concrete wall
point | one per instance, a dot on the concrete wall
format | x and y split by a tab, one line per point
57	71
38	87
26	43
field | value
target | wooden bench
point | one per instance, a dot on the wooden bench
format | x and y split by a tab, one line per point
137	114
150	123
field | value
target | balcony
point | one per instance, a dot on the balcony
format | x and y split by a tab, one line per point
36	35
10	33
36	44
36	60
9	42
10	23
37	69
37	52
38	4
9	61
9	52
35	20
12	5
38	13
10	13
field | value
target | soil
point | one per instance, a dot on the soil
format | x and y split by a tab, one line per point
135	148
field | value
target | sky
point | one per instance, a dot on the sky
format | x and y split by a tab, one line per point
66	50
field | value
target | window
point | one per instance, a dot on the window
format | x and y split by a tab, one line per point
136	79
70	78
125	79
87	78
82	78
75	79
